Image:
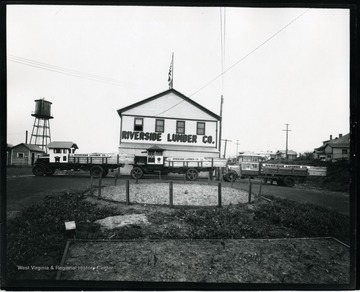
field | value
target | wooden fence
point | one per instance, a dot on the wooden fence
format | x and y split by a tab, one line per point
99	186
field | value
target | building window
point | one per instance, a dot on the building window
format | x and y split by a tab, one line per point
57	150
200	129
344	152
20	155
159	126
180	127
138	124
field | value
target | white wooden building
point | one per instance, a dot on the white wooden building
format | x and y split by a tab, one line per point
172	121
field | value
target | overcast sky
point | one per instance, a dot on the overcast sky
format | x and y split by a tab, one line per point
282	66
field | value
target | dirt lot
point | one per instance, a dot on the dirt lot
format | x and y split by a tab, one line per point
295	261
151	256
292	261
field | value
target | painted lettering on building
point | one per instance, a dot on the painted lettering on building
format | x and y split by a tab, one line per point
146	136
155	136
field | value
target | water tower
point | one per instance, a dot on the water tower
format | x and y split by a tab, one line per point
41	128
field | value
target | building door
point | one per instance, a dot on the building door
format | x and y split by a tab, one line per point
32	158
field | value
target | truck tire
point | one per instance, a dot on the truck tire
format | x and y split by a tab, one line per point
289	181
192	174
49	171
105	172
136	172
230	176
38	170
96	171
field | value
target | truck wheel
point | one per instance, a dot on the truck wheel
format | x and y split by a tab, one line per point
289	181
38	170
230	176
136	172
96	171
49	171
192	174
105	172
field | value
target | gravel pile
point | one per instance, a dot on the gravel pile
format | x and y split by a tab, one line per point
183	194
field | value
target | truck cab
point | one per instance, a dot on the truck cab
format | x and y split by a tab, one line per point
59	152
152	162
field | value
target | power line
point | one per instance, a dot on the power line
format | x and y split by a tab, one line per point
251	52
242	59
63	70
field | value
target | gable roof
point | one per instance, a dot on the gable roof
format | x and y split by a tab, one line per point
155	148
120	111
31	147
62	144
341	142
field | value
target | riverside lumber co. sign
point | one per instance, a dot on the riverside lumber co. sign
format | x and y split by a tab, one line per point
166	138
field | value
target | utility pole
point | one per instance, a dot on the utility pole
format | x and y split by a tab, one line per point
237	149
287	131
220	130
226	140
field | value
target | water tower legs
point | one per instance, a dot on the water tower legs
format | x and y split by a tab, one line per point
41	133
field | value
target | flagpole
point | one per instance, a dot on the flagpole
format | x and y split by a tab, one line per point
172	79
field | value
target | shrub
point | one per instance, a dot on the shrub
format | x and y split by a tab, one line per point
307	220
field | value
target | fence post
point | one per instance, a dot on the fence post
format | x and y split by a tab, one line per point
219	195
212	169
259	198
171	194
116	178
91	185
127	192
250	186
99	192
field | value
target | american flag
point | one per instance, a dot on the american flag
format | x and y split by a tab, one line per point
171	73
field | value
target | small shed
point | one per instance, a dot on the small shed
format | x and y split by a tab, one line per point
25	154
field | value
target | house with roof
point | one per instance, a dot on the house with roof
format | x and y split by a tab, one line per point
172	121
281	154
25	154
334	149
